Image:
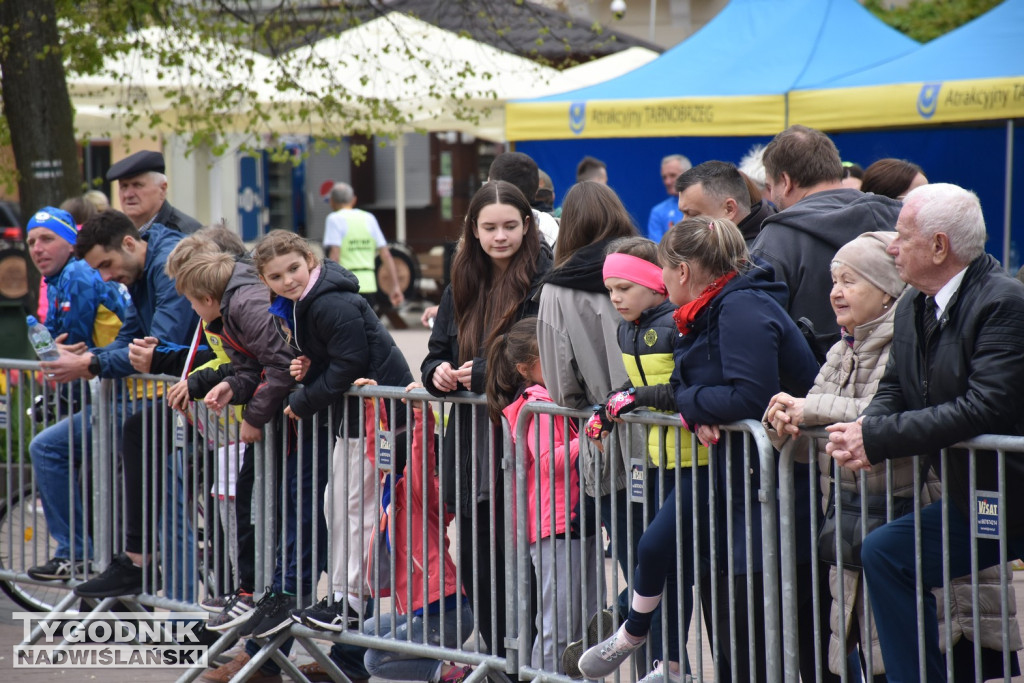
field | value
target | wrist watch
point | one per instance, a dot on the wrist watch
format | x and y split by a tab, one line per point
94	366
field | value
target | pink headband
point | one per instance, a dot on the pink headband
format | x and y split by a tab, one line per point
634	269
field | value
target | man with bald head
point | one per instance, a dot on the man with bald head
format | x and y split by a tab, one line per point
353	238
142	191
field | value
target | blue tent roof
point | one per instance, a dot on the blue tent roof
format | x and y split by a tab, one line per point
991	46
760	47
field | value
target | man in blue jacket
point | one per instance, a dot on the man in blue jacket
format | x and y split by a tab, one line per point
83	311
109	243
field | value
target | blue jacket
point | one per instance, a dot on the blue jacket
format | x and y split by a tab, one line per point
77	296
663	216
159	311
742	349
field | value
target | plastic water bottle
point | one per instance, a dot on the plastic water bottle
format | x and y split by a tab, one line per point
41	340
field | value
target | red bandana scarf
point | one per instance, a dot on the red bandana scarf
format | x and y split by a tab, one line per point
686	313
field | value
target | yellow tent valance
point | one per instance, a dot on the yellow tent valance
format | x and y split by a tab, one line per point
668	117
908	104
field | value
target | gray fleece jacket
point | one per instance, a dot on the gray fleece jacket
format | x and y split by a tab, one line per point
800	241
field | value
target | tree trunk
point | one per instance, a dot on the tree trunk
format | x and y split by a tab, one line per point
37	105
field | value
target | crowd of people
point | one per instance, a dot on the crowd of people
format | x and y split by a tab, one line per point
790	299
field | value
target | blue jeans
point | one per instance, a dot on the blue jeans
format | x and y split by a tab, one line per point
888	558
397	666
308	517
56	459
293	572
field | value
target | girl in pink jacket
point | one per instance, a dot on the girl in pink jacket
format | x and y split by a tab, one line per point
548	456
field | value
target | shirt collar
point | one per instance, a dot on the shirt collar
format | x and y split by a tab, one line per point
944	295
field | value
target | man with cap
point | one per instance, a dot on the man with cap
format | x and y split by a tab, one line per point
84	312
142	191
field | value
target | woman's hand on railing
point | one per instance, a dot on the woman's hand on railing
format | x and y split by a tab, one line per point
445	378
708	435
464	375
785	414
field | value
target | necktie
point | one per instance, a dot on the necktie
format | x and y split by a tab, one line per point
930	323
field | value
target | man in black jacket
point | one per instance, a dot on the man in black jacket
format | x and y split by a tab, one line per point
954	373
142	191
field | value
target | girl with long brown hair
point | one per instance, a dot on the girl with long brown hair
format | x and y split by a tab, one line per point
495	273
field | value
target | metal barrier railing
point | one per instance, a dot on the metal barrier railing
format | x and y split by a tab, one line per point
924	488
740	529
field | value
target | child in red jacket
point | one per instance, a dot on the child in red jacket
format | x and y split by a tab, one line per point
429	609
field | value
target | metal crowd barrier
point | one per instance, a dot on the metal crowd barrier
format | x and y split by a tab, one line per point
702	516
192	521
191	536
926	488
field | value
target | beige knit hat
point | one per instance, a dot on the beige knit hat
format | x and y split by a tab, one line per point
867	255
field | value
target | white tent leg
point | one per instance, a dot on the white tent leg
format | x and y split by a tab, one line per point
400	189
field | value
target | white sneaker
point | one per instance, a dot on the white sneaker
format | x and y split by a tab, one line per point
605	657
664	674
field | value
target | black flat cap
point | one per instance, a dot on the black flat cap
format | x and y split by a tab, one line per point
136	164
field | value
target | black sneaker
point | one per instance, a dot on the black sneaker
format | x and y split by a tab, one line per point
59	569
121	577
270	615
239	607
336	616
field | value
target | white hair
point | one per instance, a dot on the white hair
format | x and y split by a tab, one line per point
683	161
952	210
752	164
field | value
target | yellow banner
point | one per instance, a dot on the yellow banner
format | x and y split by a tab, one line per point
668	117
908	104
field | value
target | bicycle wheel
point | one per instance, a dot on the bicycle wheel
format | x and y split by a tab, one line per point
24	542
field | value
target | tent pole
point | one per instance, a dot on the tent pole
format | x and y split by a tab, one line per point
1008	195
400	189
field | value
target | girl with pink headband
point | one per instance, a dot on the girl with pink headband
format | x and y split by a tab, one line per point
647	337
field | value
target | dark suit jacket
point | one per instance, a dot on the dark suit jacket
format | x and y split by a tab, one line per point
967	381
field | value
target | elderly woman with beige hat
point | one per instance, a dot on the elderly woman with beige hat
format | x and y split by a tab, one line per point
864	293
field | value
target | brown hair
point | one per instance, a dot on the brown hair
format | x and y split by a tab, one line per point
279	243
591	212
211	238
486	300
890	177
714	245
518	345
206	273
80	208
807	156
641	247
